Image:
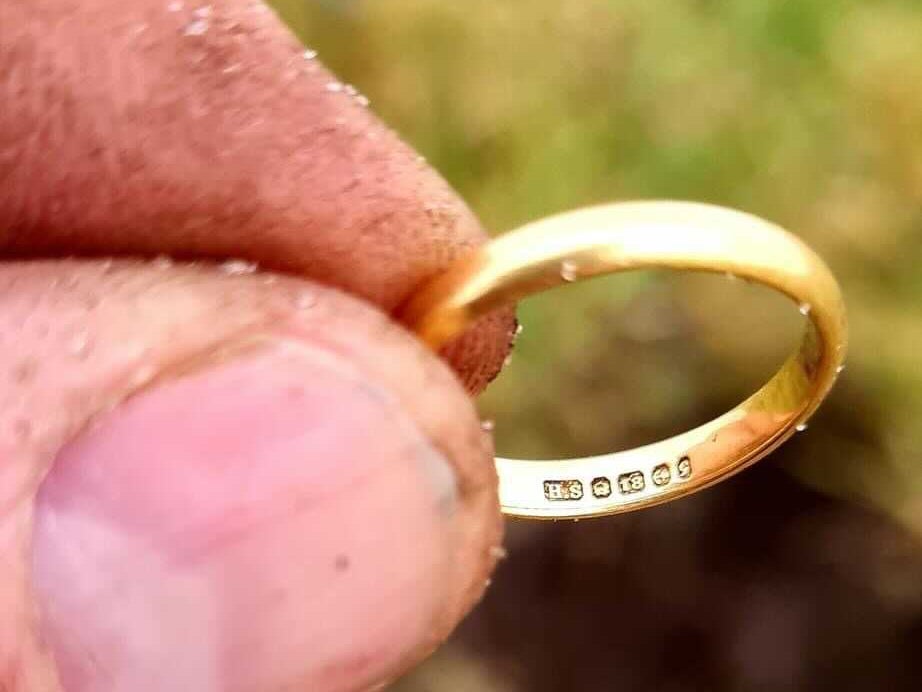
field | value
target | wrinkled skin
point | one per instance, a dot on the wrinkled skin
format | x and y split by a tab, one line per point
213	478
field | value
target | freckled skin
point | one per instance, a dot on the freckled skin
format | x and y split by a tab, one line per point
286	172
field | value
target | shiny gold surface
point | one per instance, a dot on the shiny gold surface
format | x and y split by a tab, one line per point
643	235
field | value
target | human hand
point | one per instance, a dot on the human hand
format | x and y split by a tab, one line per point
210	478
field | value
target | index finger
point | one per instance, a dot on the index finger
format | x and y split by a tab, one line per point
207	131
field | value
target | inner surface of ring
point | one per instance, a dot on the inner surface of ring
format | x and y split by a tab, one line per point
626	236
669	468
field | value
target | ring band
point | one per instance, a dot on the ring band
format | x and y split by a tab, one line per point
645	235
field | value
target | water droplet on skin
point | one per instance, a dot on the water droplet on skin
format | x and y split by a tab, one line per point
362	100
568	270
309	54
487	425
174	7
143	375
420	159
498	552
487	583
196	27
805	308
203	11
840	369
79	344
519	329
238	267
800	427
269	280
351	90
161	262
305	300
507	361
334	87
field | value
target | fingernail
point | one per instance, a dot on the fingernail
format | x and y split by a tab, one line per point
270	522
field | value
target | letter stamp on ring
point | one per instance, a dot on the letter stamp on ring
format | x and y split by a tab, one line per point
563	490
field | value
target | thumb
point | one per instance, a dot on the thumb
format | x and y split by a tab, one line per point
189	533
278	491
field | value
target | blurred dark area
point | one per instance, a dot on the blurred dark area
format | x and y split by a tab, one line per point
804	572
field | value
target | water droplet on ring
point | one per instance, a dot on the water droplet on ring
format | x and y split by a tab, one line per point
805	308
568	270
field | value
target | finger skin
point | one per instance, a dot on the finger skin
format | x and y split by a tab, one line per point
210	135
81	338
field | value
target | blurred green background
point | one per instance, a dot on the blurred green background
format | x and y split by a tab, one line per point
804	573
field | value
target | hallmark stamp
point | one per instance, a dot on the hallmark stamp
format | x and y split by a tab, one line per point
661	475
601	487
683	468
632	482
563	490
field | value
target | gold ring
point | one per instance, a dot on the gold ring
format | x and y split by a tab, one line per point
645	235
